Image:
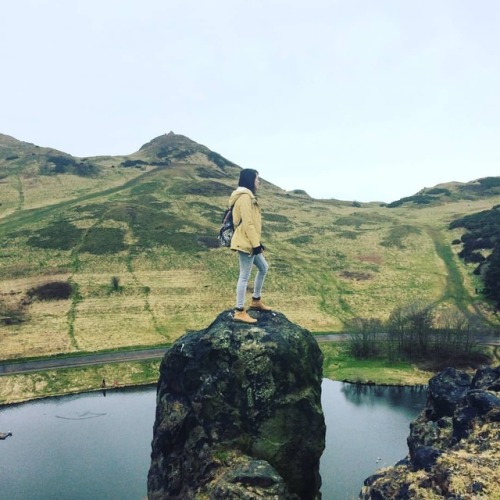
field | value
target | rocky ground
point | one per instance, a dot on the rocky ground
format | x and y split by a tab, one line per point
454	445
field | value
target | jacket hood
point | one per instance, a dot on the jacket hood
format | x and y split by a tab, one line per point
237	193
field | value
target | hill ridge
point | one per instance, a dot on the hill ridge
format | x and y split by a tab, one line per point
170	147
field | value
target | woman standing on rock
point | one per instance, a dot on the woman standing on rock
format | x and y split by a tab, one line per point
246	241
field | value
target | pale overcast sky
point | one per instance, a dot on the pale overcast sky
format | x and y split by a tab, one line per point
367	100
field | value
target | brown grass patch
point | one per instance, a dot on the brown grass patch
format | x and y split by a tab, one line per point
356	275
45	334
370	258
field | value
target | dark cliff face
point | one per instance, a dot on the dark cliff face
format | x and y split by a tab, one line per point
239	413
454	445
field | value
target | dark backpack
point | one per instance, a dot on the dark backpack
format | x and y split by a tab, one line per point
227	229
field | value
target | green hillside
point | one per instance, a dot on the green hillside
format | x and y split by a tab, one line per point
135	237
486	187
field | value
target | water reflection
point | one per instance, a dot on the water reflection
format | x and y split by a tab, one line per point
366	429
392	396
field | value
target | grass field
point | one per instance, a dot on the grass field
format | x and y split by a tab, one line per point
329	262
50	383
139	249
338	365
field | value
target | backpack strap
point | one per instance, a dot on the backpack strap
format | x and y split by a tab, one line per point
227	215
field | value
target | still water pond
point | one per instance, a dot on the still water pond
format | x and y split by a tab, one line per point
93	446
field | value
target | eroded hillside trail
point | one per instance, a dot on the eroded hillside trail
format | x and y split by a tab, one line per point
455	290
24	215
20	191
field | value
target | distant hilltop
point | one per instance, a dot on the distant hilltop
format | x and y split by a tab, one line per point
171	147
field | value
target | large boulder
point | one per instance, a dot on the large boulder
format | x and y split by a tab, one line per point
454	445
239	413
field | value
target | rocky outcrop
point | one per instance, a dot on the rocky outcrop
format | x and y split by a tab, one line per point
454	445
239	413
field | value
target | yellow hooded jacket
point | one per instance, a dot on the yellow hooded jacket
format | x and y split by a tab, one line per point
247	220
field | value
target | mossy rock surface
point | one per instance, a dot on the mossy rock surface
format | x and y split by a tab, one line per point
238	400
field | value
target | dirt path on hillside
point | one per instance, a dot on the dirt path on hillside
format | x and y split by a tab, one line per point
455	290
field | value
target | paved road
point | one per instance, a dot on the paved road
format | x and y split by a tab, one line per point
12	368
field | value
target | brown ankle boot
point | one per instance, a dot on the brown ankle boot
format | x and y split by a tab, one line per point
243	317
257	304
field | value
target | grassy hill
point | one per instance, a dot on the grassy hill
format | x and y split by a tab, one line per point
135	236
486	187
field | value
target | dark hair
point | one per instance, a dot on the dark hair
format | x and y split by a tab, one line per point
247	179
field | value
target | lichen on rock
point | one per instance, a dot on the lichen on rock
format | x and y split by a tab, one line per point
454	445
239	413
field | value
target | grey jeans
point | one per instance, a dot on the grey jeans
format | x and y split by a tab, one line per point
246	262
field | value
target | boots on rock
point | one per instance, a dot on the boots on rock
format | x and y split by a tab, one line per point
243	317
257	304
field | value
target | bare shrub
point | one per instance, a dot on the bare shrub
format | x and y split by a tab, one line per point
55	290
453	333
115	284
418	333
11	313
410	327
364	337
